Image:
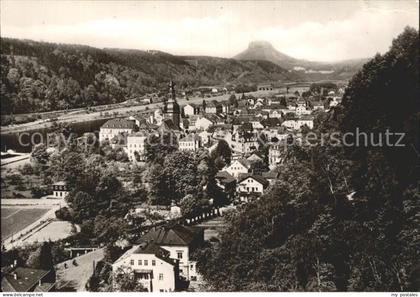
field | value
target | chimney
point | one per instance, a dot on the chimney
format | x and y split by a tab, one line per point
15	263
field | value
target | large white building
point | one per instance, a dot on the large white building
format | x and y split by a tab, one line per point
136	143
203	123
191	142
151	266
251	186
180	242
237	167
116	127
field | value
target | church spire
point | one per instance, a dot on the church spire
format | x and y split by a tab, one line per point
171	91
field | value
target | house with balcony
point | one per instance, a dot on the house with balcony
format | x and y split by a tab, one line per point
180	241
151	266
250	187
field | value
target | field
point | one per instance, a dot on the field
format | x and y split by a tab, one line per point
53	231
14	219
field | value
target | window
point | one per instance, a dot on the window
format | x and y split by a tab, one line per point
139	263
131	262
160	276
146	262
153	263
179	254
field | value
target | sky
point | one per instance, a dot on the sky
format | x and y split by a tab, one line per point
313	30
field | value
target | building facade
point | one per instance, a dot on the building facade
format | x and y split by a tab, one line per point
116	127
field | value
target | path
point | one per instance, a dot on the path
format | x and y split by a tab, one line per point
74	278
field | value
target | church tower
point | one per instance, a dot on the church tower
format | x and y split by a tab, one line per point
171	108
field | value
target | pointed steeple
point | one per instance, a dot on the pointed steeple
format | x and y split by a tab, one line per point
172	110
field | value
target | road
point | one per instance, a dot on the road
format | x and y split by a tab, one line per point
83	117
75	277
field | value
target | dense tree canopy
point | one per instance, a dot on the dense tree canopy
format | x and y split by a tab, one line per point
339	218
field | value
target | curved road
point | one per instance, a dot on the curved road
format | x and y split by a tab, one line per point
76	116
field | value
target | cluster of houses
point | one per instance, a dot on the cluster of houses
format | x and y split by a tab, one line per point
244	125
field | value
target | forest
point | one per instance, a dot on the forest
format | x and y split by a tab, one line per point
40	76
339	218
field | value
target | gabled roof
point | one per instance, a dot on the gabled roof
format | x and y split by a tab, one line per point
271	122
60	183
177	235
192	105
27	278
244	162
119	124
255	155
145	125
190	137
213	117
225	177
257	178
168	125
147	248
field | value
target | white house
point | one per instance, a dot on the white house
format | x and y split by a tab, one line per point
276	154
244	142
116	127
318	105
151	266
205	136
191	109
180	241
203	123
136	146
60	189
301	110
305	121
191	142
214	108
238	167
158	116
296	124
251	186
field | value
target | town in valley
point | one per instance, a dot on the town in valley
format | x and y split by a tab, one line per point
142	171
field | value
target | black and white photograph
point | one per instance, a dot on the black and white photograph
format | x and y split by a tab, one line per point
210	147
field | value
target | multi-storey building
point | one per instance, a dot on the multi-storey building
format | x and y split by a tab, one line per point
116	127
151	266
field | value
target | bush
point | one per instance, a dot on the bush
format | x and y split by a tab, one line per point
38	192
15	179
63	214
27	169
21	187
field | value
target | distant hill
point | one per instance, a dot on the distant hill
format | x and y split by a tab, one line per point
309	70
40	76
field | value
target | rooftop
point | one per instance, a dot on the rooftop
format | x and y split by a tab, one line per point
177	235
119	124
190	137
26	279
258	178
